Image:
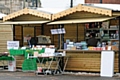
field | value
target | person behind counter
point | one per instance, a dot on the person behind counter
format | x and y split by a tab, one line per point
31	41
92	42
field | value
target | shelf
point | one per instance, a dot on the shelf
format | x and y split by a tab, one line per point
113	29
93	29
99	29
114	39
95	37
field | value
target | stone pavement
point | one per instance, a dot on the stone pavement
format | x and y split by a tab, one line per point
5	75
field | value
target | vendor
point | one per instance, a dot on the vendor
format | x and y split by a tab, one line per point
92	41
31	41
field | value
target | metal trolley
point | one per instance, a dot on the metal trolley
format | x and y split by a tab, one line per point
50	59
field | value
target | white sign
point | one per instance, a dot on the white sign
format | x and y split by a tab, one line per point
12	44
58	31
54	31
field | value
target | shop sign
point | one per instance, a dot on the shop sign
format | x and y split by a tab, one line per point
12	44
58	31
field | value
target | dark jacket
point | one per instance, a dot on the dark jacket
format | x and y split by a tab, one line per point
33	41
92	42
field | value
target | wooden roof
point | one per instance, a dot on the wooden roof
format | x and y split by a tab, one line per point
83	10
27	14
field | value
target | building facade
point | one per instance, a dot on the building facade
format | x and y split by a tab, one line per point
10	6
103	1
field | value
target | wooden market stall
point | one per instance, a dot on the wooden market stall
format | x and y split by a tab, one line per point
28	21
74	20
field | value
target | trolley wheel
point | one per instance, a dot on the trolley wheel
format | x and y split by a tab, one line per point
53	73
48	72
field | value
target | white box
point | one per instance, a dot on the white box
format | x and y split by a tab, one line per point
36	53
107	63
12	65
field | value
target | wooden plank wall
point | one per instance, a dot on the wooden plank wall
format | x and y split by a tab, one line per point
26	31
71	32
6	34
81	32
18	34
54	38
87	61
74	32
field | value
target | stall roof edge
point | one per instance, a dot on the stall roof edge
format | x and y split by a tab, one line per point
25	11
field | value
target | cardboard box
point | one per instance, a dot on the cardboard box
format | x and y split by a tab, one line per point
114	47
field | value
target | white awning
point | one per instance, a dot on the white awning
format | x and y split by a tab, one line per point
81	20
25	22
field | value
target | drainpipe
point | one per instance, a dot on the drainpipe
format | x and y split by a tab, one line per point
100	1
36	3
24	4
71	3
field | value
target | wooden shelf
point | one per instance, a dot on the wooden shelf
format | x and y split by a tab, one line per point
99	29
114	39
95	37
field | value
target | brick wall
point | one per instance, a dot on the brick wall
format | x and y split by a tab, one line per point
103	1
92	1
112	1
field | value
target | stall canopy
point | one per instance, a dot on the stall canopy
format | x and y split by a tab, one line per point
25	22
80	20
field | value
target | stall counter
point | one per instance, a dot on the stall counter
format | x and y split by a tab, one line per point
86	60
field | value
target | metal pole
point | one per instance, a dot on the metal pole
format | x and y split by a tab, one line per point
71	3
100	1
42	29
23	4
36	3
59	39
77	34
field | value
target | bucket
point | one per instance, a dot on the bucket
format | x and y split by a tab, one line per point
40	69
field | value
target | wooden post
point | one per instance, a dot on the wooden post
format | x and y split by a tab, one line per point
60	42
60	38
119	46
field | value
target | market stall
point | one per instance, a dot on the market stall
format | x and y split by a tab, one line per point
79	19
27	21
